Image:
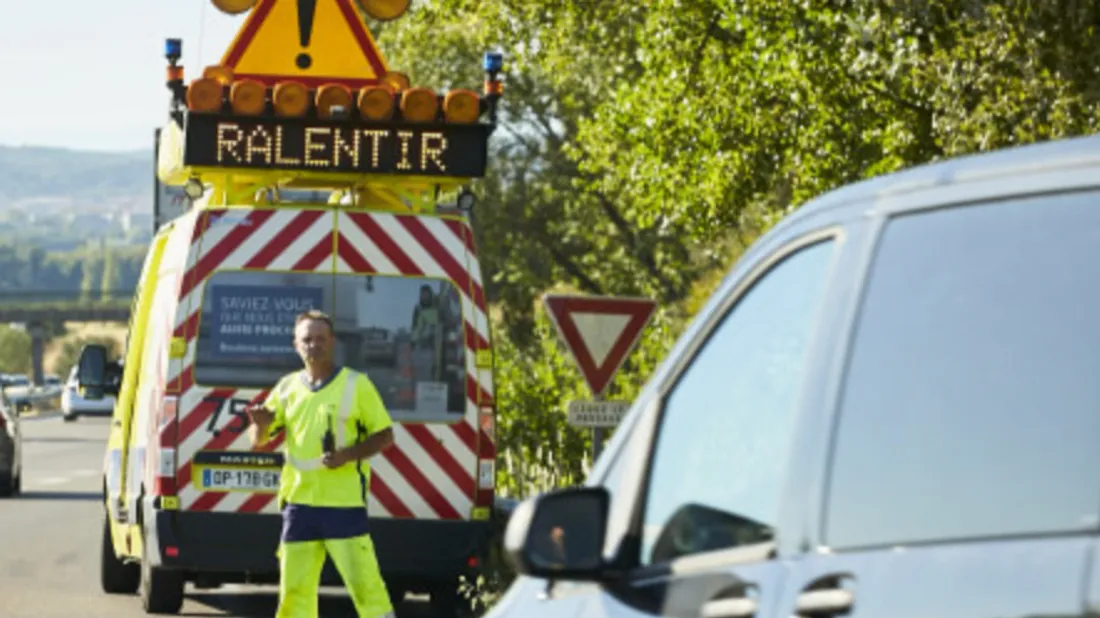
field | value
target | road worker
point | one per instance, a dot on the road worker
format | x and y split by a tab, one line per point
427	336
426	318
334	421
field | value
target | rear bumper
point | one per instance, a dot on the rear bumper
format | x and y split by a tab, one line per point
87	408
233	547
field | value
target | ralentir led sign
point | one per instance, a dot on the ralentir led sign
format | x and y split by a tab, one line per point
269	143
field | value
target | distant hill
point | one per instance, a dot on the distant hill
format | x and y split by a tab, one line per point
33	173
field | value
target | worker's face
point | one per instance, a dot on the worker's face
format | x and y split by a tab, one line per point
314	341
425	298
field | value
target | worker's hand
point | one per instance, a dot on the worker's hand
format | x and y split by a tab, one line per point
260	416
335	459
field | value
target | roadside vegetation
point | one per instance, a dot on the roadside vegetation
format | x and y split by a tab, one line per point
62	350
92	276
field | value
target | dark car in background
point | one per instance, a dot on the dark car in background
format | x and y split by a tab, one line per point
890	406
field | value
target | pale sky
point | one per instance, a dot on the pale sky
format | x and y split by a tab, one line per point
90	75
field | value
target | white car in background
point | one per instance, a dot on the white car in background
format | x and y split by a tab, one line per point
74	406
17	389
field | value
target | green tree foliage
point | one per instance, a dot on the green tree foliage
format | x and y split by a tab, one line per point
766	104
110	283
15	350
90	278
30	274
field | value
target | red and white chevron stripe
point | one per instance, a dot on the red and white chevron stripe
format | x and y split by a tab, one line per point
431	471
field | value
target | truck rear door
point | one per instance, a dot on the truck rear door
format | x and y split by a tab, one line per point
410	313
252	271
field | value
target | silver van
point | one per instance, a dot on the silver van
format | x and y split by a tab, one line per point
890	407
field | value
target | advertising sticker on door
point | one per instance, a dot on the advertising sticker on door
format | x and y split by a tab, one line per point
258	321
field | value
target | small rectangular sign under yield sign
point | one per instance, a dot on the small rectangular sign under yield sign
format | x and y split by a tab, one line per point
596	413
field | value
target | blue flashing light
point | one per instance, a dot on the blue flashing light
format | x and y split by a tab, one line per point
493	61
173	48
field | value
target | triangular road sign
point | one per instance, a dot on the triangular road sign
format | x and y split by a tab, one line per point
314	42
599	331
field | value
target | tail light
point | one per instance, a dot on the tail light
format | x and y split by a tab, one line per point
164	483
487	461
487	422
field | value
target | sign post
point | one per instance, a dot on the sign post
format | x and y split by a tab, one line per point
599	332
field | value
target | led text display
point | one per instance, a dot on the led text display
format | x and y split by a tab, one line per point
436	150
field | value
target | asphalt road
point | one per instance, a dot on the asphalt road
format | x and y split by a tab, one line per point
49	539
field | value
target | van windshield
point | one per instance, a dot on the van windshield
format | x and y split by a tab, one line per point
405	333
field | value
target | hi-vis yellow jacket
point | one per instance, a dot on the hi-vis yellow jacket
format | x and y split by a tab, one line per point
351	408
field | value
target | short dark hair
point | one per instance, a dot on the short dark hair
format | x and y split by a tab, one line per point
315	314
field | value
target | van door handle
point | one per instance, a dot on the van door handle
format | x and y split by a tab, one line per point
824	602
729	608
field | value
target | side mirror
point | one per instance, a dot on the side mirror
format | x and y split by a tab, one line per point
560	535
91	373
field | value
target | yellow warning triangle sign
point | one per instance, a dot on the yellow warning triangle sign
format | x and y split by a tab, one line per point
314	42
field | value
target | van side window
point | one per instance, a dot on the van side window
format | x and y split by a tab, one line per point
720	456
971	405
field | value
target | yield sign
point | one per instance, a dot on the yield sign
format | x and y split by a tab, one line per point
599	331
314	42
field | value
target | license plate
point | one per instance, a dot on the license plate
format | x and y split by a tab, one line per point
239	479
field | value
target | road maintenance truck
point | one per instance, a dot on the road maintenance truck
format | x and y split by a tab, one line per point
320	179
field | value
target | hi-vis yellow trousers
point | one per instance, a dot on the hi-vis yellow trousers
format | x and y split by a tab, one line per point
299	583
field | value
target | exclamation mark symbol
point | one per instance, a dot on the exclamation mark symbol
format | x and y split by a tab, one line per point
306	9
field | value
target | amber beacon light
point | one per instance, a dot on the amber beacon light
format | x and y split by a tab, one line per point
330	98
248	98
384	10
220	73
461	106
204	95
290	99
396	80
376	103
419	105
233	7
